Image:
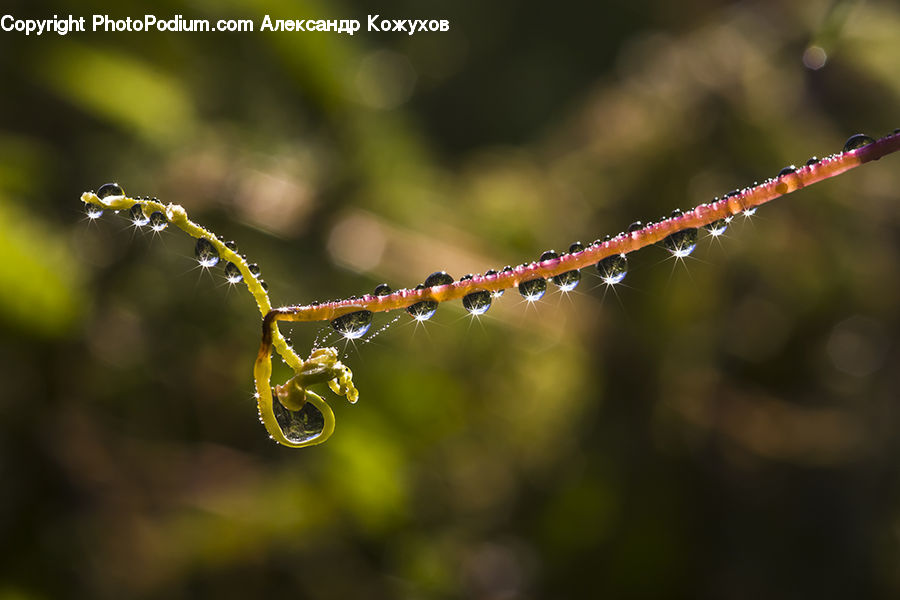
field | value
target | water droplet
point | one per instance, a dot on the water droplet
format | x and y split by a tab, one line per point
548	255
438	278
507	269
533	289
717	228
675	213
206	253
383	289
137	216
813	160
232	245
731	194
750	211
353	325
422	311
857	141
158	221
109	189
576	247
787	170
682	243
634	227
263	284
233	274
254	269
567	281
495	293
613	269
92	211
467	277
477	303
299	426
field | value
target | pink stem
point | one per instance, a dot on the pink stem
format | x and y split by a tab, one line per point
621	244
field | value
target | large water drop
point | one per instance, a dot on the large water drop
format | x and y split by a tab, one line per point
299	426
158	221
422	311
137	216
353	325
477	303
438	278
857	141
206	253
233	273
92	211
613	269
533	289
681	243
110	189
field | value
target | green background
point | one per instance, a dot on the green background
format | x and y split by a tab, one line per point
722	428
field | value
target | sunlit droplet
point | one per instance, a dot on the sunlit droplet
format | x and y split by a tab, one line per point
92	211
158	221
383	289
477	303
422	311
613	269
717	228
533	289
353	325
233	273
254	269
137	216
206	253
681	243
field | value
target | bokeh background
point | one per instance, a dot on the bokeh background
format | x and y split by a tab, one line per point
723	428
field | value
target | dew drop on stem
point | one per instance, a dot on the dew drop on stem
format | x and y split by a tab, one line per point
108	190
857	141
533	289
158	221
206	253
353	325
233	274
477	303
613	269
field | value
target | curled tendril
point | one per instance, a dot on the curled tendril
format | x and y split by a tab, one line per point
294	415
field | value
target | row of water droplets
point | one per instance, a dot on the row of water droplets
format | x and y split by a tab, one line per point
355	325
612	269
205	252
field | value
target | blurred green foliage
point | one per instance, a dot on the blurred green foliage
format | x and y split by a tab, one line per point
720	429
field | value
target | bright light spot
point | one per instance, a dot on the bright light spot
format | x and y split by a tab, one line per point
814	58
